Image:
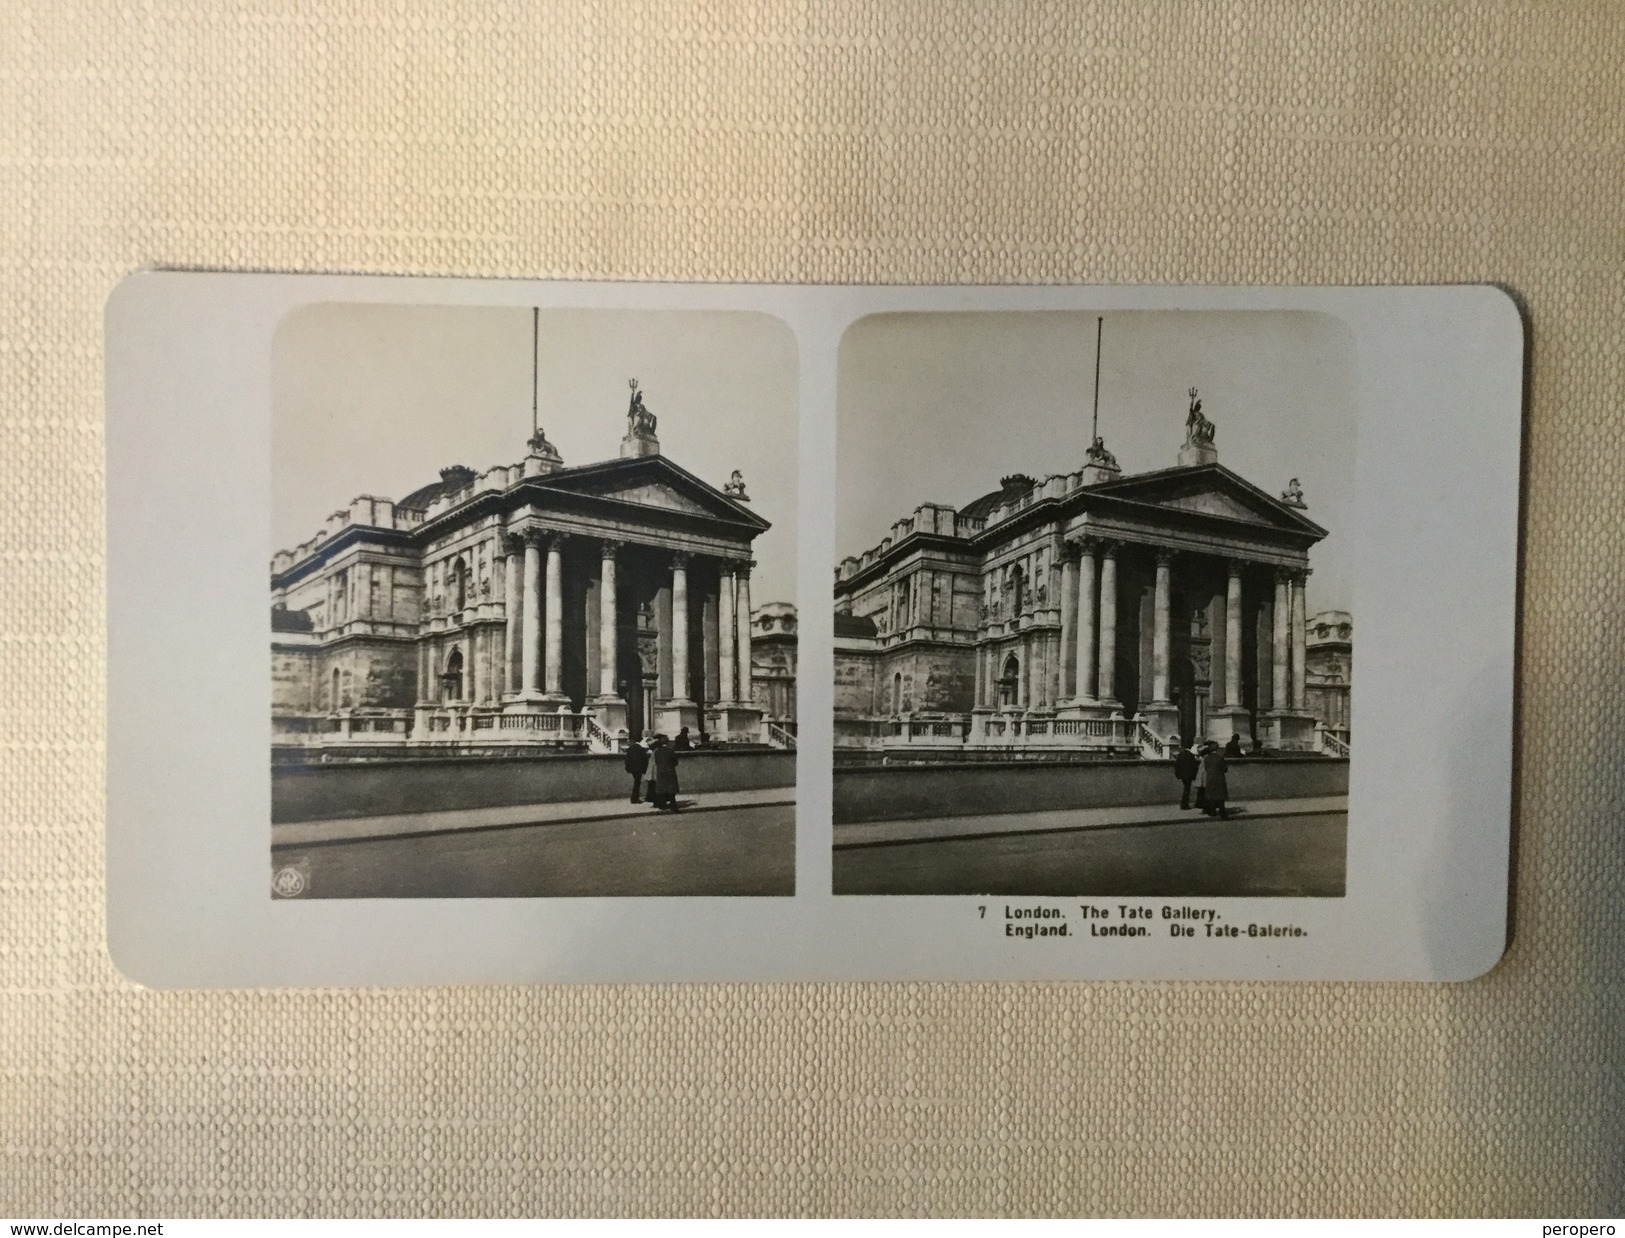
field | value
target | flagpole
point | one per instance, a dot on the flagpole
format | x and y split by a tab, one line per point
1100	330
535	336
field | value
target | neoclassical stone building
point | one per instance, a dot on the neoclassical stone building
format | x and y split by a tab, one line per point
1088	610
533	604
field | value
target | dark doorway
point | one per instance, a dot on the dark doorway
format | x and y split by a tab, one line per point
1184	693
640	654
1127	674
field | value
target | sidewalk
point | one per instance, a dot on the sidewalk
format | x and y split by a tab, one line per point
1061	820
353	829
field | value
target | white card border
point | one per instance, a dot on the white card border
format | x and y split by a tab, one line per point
1441	384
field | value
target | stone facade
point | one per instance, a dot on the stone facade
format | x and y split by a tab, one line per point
1088	610
534	604
1329	657
774	640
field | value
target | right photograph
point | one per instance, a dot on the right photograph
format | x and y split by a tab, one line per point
1094	631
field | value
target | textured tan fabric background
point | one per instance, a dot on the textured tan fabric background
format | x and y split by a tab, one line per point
1115	142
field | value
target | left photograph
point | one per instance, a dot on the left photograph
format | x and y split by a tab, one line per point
532	603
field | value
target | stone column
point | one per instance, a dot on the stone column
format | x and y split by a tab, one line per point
1088	642
1299	648
743	619
592	634
1107	689
530	677
608	635
555	616
725	637
708	649
513	568
680	686
1160	631
678	709
1064	689
609	706
1232	638
662	616
1280	659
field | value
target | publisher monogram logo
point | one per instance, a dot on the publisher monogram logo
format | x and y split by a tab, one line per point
288	883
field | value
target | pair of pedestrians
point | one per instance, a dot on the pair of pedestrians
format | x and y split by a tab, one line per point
660	752
1203	767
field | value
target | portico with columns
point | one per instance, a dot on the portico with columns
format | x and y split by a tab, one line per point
1216	660
613	622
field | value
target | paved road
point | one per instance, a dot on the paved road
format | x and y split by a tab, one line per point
443	820
1259	853
744	849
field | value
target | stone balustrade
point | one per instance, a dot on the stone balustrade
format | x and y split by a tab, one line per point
1001	732
342	727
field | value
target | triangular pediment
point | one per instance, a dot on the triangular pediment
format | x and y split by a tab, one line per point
1211	490
651	493
652	482
1215	503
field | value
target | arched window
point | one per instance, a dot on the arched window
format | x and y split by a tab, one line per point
334	700
1010	683
453	678
897	693
1018	591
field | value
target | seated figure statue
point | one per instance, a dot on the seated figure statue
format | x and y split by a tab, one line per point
1098	455
1198	429
639	420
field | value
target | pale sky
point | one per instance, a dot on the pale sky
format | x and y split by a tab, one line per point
937	407
377	399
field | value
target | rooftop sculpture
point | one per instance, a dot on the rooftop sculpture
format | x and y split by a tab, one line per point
1198	429
639	420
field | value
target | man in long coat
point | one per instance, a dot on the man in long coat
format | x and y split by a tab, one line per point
1185	767
663	787
637	764
1216	787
